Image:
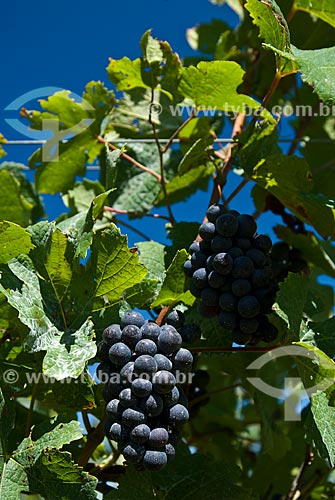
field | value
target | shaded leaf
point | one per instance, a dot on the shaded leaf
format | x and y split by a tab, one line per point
14	240
291	300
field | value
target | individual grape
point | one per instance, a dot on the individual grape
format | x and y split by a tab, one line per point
152	405
209	263
210	297
140	434
199	278
145	364
195	291
133	416
246	226
242	243
131	334
194	247
227	302
227	320
113	409
241	287
189	334
171	398
213	212
248	326
175	318
170	452
242	267
260	278
112	334
216	280
132	318
154	460
198	260
141	387
159	437
183	360
169	340
119	354
178	415
221	244
248	306
118	432
223	263
235	252
150	331
127	372
207	231
226	225
262	242
188	268
133	453
163	381
258	258
128	398
111	390
234	212
103	351
163	363
146	346
205	247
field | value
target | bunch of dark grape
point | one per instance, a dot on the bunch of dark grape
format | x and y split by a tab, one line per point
197	391
144	365
285	259
231	275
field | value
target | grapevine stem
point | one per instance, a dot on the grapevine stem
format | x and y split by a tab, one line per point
292	13
135	214
161	163
131	160
296	482
94	438
176	132
162	314
86	421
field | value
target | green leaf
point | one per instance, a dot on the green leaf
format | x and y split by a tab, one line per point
7	419
317	68
324	9
13	207
80	197
320	335
116	267
57	266
14	240
273	28
35	464
317	371
126	74
196	155
174	285
213	85
152	257
182	235
235	5
291	300
320	253
152	52
66	353
289	179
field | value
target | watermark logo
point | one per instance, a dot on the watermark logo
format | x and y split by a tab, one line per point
52	133
294	392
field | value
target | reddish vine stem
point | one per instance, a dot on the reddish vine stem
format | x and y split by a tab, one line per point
130	159
94	438
135	214
177	132
160	318
237	129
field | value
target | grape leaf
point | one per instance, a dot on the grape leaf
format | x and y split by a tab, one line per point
34	460
213	85
291	300
14	207
14	240
80	197
66	353
7	420
324	9
195	155
126	74
320	335
116	267
152	257
273	28
174	285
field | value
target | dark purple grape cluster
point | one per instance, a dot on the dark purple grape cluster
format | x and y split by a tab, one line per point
231	275
145	366
285	259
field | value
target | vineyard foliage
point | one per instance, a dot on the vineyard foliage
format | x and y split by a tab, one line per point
63	281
